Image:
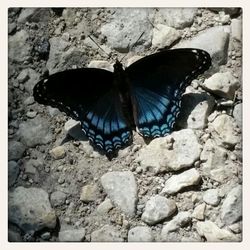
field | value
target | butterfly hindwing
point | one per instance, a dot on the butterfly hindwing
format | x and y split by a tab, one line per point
157	84
87	95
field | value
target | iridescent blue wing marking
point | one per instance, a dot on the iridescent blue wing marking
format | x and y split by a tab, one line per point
157	84
87	95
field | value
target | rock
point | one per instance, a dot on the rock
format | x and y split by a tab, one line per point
30	209
178	18
164	36
31	114
57	198
72	235
214	40
34	77
213	233
23	76
36	15
136	21
106	234
11	28
35	132
101	65
177	182
237	114
199	211
230	11
19	47
89	193
223	130
13	172
121	189
231	210
196	109
14	236
58	152
184	151
236	29
46	235
104	207
15	150
74	129
222	84
180	220
211	197
140	234
157	209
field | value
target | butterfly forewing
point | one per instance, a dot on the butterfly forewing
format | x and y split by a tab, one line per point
87	95
157	83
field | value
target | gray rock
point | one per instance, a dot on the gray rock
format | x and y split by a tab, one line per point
30	209
121	189
74	129
19	47
231	210
140	234
213	233
178	18
199	211
35	132
104	207
11	28
196	109
230	11
29	101
34	77
16	150
237	114
98	64
180	220
72	235
46	235
223	130
14	236
128	25
89	193
57	198
31	114
36	15
161	156
13	172
164	36
222	84
157	209
211	197
58	152
214	40
177	182
106	234
236	29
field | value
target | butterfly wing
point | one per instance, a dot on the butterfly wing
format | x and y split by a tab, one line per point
86	95
157	84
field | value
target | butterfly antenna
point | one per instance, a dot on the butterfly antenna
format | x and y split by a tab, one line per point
98	46
137	40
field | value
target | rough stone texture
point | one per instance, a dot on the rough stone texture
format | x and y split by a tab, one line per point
15	150
231	210
178	18
224	130
36	15
30	209
196	109
89	193
180	220
140	234
222	84
106	234
104	207
159	156
72	235
237	114
19	47
13	172
57	198
199	211
73	128
33	78
213	233
236	29
157	209
164	36
121	189
35	132
126	35
177	182
214	40
98	64
211	197
58	152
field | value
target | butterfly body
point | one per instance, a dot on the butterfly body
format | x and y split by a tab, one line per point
109	105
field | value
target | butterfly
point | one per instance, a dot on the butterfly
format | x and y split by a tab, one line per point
109	105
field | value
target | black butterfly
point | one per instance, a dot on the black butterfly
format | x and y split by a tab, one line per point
109	105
